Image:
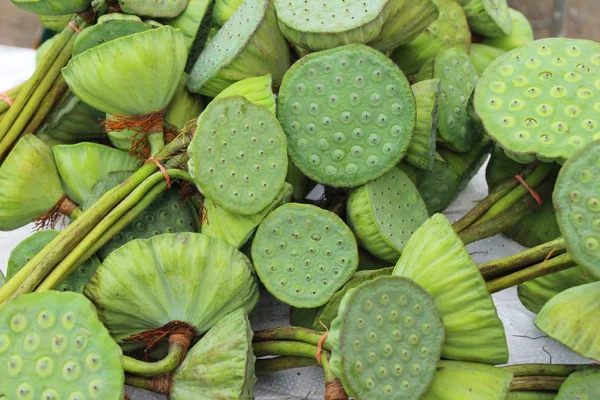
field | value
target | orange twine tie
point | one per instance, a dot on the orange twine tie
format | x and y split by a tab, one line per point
533	193
321	342
162	169
4	97
74	27
549	255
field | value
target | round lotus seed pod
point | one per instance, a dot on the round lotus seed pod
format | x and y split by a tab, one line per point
577	203
386	340
537	101
349	114
522	33
421	152
438	188
32	245
238	156
384	213
483	55
52	346
571	317
258	90
303	254
581	385
436	259
489	18
154	8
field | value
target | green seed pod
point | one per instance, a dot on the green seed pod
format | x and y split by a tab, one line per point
184	106
522	33
303	317
220	365
303	254
257	90
455	380
55	23
421	152
489	18
483	55
438	188
32	245
53	7
154	8
384	213
52	346
249	44
538	227
466	165
534	101
436	259
582	385
386	340
189	277
571	317
300	183
328	106
223	10
238	155
500	168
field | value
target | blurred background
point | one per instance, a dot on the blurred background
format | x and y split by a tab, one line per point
571	18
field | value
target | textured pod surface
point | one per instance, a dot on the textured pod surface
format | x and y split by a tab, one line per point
488	18
571	317
522	33
455	380
581	385
436	259
52	346
384	213
238	156
577	203
45	7
349	115
386	340
257	90
189	277
304	254
421	152
154	8
538	101
220	365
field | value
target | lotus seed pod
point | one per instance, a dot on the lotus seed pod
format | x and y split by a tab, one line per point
581	385
139	286
407	20
95	159
386	340
122	139
316	25
438	188
384	213
184	106
223	10
522	33
257	90
489	18
329	312
304	254
538	227
421	152
500	168
53	7
249	44
220	365
535	100
466	165
455	380
129	87
536	292
436	259
571	317
349	115
483	55
449	30
237	229
238	155
29	183
303	317
52	346
55	23
154	8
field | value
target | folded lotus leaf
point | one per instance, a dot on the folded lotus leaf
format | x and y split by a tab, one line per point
258	90
49	140
581	385
29	183
483	55
32	245
220	365
53	7
421	152
131	75
52	346
189	277
154	8
489	18
571	317
81	165
536	292
457	380
466	165
436	259
522	33
223	10
55	23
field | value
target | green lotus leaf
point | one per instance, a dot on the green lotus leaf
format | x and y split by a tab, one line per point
131	75
223	10
571	317
29	183
81	165
257	90
421	152
154	8
49	140
456	380
581	385
52	346
220	365
53	7
489	18
522	33
32	245
466	165
55	23
184	106
436	259
483	55
190	277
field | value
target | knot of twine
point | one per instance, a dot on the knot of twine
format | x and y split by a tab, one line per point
321	342
154	336
161	168
533	193
4	97
161	384
63	207
335	391
72	25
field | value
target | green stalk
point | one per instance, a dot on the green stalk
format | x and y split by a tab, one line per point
284	348
265	366
51	99
537	383
12	94
150	369
563	370
294	333
138	382
76	213
531	395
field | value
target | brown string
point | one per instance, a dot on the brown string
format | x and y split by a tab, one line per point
533	193
335	391
161	384
142	124
162	169
549	255
321	342
63	207
8	100
154	336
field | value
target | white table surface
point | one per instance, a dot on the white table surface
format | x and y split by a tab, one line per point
527	344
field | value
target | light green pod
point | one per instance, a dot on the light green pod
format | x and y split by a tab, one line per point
55	23
53	7
521	395
581	385
154	8
258	90
438	188
466	165
489	18
522	33
223	10
483	55
184	106
421	152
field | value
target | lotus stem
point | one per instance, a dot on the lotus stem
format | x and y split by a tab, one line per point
267	366
12	94
138	382
531	395
284	348
333	387
294	333
52	98
158	384
563	370
173	358
537	383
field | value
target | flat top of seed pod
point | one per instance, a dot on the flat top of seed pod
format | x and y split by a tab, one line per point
349	114
228	344
53	346
577	203
538	100
386	340
229	41
333	16
238	156
581	385
304	254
